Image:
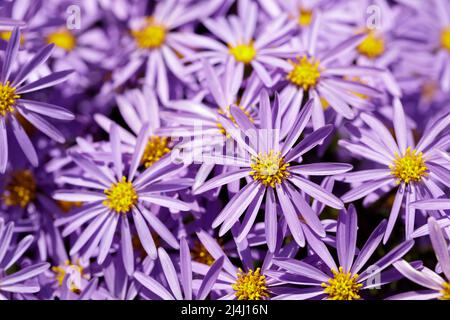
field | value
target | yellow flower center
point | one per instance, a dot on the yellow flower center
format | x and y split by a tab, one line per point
155	149
372	46
410	167
243	52
445	38
151	36
63	39
445	291
200	254
21	189
343	286
250	285
121	197
8	98
305	17
269	168
60	273
305	72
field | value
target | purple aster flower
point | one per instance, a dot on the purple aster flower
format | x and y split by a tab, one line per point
415	170
19	282
13	104
155	44
263	49
172	289
342	281
318	75
271	171
437	287
115	194
380	48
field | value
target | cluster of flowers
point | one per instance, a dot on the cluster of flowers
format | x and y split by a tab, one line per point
224	149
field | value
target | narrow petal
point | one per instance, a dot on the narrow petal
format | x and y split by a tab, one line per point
369	247
10	54
317	192
291	217
153	285
210	279
365	188
45	82
186	269
440	246
170	273
25	143
126	245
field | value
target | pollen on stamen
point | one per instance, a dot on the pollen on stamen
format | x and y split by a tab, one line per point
269	168
8	98
410	167
343	286
200	254
155	149
251	285
305	72
243	52
121	197
151	36
20	189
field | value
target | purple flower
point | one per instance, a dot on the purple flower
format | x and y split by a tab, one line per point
437	287
12	103
114	195
268	165
155	43
20	282
342	281
245	45
415	170
318	75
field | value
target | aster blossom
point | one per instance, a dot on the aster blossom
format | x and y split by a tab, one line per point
20	282
343	281
12	102
416	170
116	193
224	150
266	165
